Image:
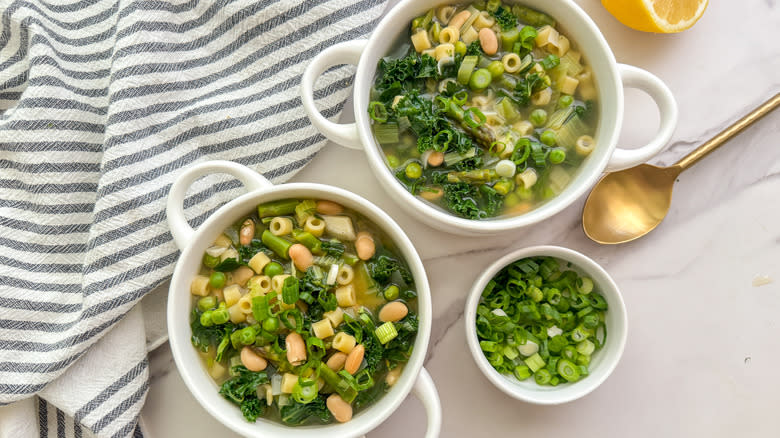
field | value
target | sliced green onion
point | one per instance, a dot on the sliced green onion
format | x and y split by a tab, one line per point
467	67
584	285
542	377
297	317
474	118
342	386
305	390
480	79
551	61
586	347
460	97
260	308
315	348
568	370
580	333
386	332
522	372
442	140
535	362
363	380
290	290
386	133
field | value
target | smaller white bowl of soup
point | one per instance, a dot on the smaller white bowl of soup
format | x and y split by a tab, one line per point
546	324
298	310
486	116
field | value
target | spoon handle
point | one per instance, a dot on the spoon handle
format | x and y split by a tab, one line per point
713	143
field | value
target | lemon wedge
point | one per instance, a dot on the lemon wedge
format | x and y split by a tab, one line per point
663	16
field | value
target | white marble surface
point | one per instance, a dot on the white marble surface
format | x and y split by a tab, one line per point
702	356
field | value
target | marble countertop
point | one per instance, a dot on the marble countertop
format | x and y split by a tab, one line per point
701	357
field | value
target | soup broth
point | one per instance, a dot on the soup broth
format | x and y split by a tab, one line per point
303	312
484	109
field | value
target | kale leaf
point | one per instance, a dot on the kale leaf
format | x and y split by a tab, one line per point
492	200
428	67
472	163
474	49
297	413
322	301
399	349
382	267
505	18
373	352
246	252
470	201
228	265
204	338
252	408
333	248
410	67
244	383
367	396
461	198
526	87
242	390
526	42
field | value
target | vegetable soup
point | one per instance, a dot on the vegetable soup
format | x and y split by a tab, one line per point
485	109
303	312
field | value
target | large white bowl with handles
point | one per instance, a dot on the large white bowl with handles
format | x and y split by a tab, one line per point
193	243
611	79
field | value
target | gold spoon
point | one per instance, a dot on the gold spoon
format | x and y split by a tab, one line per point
628	204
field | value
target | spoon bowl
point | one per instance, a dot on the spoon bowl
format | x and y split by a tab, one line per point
628	204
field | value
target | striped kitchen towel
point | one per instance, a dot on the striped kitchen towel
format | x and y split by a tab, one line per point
101	103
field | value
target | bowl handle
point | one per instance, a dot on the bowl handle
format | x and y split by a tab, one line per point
345	134
425	390
634	77
180	229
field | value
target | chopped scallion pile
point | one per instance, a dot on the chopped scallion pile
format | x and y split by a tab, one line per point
538	320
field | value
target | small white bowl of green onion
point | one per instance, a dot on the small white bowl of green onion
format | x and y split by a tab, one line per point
546	324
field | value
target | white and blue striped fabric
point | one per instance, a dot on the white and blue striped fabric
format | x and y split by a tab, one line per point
101	103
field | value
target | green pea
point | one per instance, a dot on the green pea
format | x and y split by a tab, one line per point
271	324
273	269
220	316
480	79
565	101
538	117
393	161
557	156
206	319
503	186
413	170
247	335
210	261
496	69
217	280
548	137
460	47
391	292
207	303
